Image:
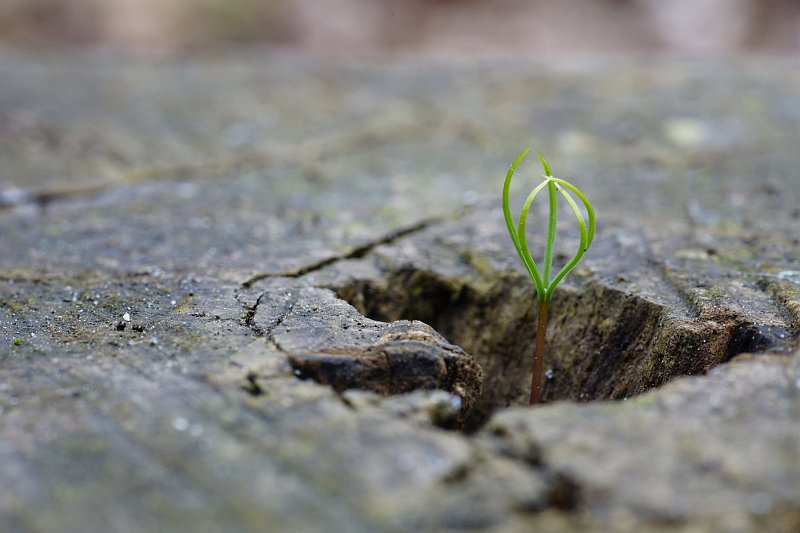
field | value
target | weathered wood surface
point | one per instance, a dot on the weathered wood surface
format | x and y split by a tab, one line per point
191	250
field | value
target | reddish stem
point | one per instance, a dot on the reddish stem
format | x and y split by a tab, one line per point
538	356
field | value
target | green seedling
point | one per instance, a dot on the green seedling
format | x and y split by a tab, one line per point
545	283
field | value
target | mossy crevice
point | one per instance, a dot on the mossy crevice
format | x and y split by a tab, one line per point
603	342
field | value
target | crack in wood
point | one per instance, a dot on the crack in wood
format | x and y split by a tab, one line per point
357	252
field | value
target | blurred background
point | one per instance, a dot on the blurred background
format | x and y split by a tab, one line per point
452	27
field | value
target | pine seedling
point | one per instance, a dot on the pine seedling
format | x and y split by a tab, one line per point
545	282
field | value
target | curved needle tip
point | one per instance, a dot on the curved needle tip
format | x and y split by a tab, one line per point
545	165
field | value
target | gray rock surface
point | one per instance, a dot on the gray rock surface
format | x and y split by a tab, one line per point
265	293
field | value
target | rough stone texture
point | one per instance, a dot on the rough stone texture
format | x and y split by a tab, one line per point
623	324
177	237
315	336
695	454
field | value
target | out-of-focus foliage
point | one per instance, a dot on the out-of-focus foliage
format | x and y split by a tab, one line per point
446	26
